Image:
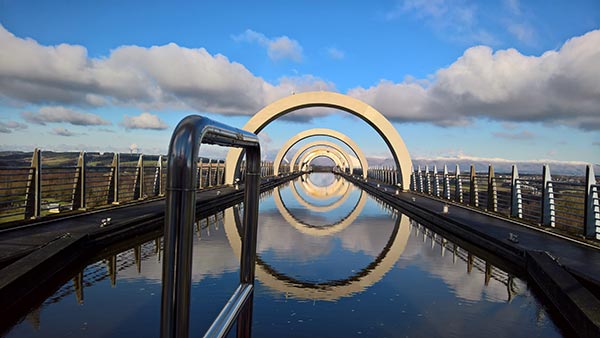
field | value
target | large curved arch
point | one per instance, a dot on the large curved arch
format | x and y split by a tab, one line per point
325	151
332	100
321	132
307	146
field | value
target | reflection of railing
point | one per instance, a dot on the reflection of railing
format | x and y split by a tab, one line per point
472	261
63	182
569	204
182	176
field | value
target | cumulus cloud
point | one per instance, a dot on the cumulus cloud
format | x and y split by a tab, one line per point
144	121
559	87
277	48
58	114
10	126
335	53
63	132
523	135
154	78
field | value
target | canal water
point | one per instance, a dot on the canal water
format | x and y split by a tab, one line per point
332	262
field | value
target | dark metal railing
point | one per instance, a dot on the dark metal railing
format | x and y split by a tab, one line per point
182	178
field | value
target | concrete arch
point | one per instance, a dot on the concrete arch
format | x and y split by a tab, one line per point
312	154
307	146
328	291
336	158
332	100
321	132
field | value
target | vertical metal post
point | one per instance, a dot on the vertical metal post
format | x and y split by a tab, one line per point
33	193
473	197
547	198
139	180
79	183
156	191
427	181
209	175
458	197
516	198
446	182
113	185
592	205
436	182
419	180
492	195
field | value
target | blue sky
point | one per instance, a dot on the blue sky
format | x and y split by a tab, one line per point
507	79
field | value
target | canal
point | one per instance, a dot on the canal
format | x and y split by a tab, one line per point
332	262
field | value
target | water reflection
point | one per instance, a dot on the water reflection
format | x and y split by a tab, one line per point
381	274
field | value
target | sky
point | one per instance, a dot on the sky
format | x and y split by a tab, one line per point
505	79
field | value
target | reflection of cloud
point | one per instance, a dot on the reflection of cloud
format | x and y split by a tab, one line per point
466	286
285	241
211	256
367	234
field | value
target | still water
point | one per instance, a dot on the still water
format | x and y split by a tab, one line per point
332	262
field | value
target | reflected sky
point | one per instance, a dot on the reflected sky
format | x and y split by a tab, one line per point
383	275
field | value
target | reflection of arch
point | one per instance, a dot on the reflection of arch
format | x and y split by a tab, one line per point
321	144
325	230
327	192
333	100
332	290
321	132
315	152
321	208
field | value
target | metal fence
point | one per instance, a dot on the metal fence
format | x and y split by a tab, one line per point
80	181
566	203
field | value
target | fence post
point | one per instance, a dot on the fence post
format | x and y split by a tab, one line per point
473	196
419	180
492	195
516	198
157	177
113	186
79	183
138	187
446	183
592	206
209	174
547	198
413	184
436	183
458	197
33	193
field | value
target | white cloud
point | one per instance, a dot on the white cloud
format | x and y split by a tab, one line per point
154	78
278	48
144	121
523	135
10	126
558	87
523	32
335	53
58	114
63	132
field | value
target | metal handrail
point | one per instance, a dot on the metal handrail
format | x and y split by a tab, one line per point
180	216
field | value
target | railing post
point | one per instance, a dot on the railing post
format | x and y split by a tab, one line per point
113	186
157	178
436	183
458	197
413	185
473	196
138	188
79	183
446	182
516	198
547	198
33	193
592	205
419	180
427	181
209	174
492	195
